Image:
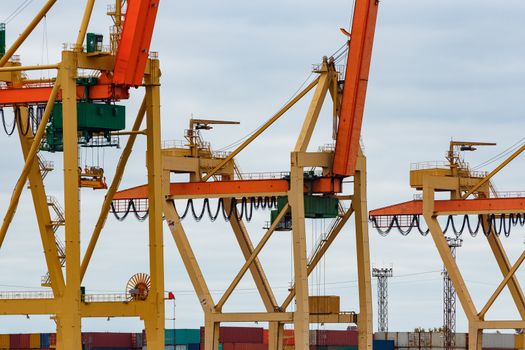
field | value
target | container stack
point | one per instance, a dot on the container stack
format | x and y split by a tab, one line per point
435	340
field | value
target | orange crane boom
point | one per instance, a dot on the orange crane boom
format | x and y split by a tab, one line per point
354	92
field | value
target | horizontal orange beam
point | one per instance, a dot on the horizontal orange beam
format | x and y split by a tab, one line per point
472	206
25	95
232	188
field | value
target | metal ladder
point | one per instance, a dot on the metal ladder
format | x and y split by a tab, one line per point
58	221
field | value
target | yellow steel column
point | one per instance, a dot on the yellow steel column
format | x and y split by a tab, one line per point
69	315
211	333
296	201
363	255
275	335
154	319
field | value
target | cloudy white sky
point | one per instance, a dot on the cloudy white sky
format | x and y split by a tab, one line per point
441	69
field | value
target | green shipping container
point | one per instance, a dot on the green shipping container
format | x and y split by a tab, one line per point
94	117
182	336
2	39
315	207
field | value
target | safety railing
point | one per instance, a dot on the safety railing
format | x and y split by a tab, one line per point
429	165
174	144
263	175
10	295
106	297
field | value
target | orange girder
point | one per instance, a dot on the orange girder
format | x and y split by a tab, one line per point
231	188
133	50
30	95
355	85
494	205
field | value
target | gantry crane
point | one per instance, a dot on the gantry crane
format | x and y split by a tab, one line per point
488	212
83	111
294	196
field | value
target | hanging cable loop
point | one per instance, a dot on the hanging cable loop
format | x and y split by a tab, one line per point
9	130
239	209
491	224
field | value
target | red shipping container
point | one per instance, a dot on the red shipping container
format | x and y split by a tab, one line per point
249	346
53	339
335	338
241	335
228	346
107	340
288	337
237	335
265	336
19	341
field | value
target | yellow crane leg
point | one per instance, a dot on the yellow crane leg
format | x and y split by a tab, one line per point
363	255
296	201
154	318
69	315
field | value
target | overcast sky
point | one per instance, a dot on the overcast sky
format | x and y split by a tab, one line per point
441	70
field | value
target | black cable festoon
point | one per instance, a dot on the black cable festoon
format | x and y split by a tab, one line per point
13	126
130	208
247	206
498	224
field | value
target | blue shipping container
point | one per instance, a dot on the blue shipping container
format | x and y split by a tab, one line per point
383	345
45	340
194	346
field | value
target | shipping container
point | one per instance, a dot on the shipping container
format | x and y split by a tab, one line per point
182	336
4	341
194	346
324	304
288	337
45	340
19	341
333	338
383	345
499	340
52	340
106	340
241	335
34	341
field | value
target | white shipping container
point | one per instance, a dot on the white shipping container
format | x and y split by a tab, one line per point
413	340
461	341
438	340
402	340
499	340
425	340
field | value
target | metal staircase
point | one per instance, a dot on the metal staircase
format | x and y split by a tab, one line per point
56	222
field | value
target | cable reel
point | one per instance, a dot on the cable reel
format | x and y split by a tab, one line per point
138	287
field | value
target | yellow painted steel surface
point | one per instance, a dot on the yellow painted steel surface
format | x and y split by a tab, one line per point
324	304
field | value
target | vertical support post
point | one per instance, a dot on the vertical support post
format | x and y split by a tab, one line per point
475	337
275	336
211	332
296	201
364	274
70	313
154	318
